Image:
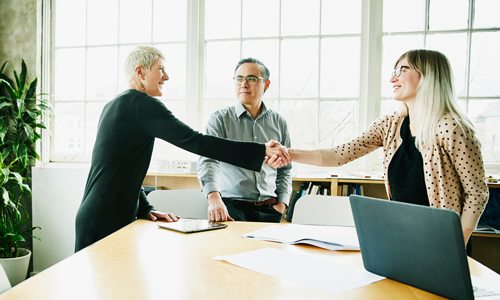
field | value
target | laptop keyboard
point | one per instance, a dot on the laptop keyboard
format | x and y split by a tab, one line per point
480	292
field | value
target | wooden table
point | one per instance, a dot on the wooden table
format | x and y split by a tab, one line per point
142	261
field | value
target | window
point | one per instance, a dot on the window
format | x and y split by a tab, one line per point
330	62
91	39
314	63
469	35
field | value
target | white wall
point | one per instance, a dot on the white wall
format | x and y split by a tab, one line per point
57	193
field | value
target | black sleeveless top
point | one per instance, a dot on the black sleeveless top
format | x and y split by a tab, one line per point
406	171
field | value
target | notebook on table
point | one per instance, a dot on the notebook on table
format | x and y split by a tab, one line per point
417	245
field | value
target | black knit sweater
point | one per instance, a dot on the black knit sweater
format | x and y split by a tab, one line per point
406	171
122	152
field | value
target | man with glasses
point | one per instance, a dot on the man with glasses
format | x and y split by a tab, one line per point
238	194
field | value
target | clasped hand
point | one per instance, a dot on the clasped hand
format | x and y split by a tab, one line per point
276	155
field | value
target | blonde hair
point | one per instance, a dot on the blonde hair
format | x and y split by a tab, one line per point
435	95
143	56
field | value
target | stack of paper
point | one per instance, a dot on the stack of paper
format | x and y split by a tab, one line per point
309	271
327	237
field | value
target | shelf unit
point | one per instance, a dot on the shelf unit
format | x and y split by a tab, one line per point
179	181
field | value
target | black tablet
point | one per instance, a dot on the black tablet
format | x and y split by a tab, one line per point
192	225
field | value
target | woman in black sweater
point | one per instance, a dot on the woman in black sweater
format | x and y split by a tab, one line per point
122	152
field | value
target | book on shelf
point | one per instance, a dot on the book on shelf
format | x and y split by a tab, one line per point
307	190
314	190
352	189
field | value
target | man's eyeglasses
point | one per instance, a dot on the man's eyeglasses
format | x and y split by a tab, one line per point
251	80
397	72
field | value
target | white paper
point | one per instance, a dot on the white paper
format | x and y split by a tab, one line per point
316	273
328	237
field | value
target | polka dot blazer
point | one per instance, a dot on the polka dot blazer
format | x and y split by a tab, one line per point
453	166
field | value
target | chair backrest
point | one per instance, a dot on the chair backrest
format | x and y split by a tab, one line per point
4	281
183	203
323	210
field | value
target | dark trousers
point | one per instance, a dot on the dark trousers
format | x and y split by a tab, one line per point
247	211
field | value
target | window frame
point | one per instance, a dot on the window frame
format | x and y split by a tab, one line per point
370	76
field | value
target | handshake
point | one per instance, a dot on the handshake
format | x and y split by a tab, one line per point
276	155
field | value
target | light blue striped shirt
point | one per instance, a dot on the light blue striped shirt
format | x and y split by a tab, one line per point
235	183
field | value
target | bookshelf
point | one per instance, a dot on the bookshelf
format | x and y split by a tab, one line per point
373	187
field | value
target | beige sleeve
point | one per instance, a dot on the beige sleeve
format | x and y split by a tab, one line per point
308	157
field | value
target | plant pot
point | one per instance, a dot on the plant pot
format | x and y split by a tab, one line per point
17	268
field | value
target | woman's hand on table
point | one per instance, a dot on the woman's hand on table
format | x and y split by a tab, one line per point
155	215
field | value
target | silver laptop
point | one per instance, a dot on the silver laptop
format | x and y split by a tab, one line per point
191	225
413	244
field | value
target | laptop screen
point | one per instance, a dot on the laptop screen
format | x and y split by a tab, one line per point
413	244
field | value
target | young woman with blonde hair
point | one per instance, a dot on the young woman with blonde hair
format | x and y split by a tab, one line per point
431	153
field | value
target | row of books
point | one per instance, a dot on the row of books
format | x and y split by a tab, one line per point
307	188
311	188
351	189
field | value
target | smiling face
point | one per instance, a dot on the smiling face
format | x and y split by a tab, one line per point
155	78
250	95
405	86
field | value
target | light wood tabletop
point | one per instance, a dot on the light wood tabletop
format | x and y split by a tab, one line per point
142	261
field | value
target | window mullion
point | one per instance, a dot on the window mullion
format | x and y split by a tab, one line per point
370	69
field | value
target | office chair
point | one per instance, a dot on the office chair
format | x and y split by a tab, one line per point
183	203
323	210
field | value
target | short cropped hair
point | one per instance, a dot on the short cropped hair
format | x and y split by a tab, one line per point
263	69
143	56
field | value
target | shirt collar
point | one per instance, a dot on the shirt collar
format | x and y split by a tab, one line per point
240	110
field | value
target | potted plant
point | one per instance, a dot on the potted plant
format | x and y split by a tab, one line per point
20	118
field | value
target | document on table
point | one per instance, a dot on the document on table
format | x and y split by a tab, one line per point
327	237
313	272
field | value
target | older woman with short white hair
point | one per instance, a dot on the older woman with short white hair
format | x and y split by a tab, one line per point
124	144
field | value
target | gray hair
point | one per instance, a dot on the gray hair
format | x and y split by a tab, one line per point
263	69
143	56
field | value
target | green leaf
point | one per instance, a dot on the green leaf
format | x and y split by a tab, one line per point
22	79
18	82
32	89
23	154
18	177
4	128
20	107
7	151
5	196
9	88
3	66
29	131
4	104
33	114
5	173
